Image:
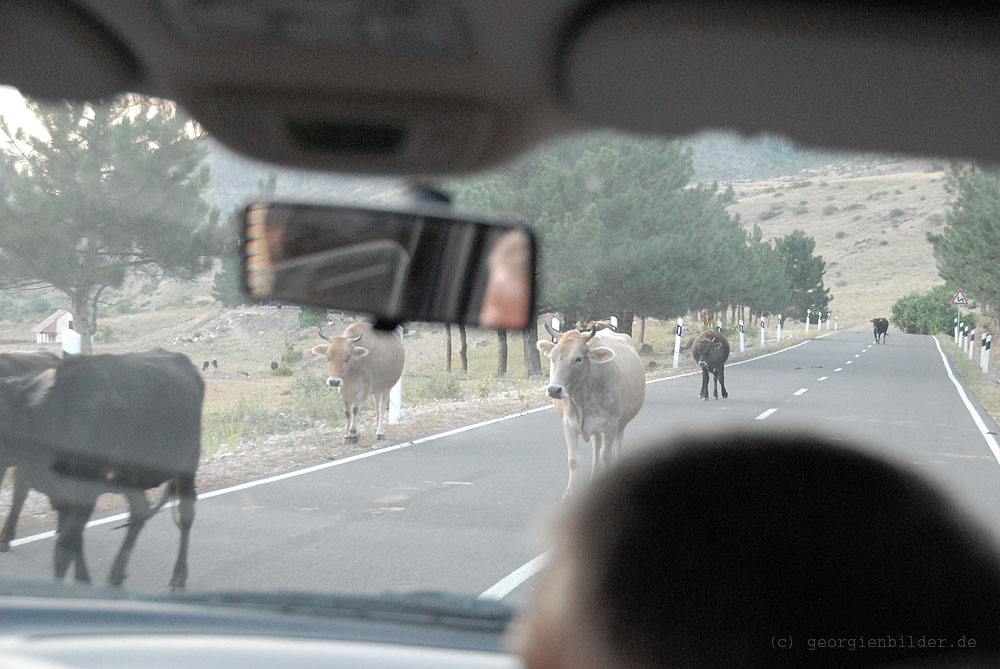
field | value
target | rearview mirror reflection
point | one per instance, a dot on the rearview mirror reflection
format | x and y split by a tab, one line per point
414	265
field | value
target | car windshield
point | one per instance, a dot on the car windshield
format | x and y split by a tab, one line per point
120	232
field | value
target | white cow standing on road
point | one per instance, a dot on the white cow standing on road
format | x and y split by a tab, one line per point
363	361
597	383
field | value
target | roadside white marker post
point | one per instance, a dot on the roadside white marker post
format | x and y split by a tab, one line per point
961	335
677	343
986	355
808	317
396	392
780	321
742	343
972	342
614	323
836	322
982	350
828	320
718	326
71	342
819	321
762	325
956	330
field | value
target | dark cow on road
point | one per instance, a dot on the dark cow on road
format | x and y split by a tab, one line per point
107	423
19	364
880	328
711	350
363	361
597	383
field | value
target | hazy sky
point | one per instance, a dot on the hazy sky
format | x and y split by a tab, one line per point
14	112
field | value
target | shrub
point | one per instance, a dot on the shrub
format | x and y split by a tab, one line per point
291	357
769	214
123	307
310	316
840	234
925	313
282	370
896	213
829	209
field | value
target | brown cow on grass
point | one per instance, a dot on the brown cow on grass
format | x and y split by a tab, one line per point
597	383
711	350
363	361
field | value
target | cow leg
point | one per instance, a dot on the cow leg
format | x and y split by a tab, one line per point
573	451
381	402
186	495
704	383
599	453
10	525
352	424
722	381
139	506
69	543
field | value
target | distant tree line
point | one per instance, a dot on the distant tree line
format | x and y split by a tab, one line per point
624	231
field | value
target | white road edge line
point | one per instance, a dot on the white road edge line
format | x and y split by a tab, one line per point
990	440
823	378
800	391
765	414
508	583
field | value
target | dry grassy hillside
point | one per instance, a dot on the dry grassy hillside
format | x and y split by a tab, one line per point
870	222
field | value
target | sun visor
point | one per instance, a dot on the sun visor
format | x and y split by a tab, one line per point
51	50
838	77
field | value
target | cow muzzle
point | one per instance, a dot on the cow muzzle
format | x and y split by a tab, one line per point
556	392
335	383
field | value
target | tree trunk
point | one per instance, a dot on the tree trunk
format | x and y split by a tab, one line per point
625	321
501	353
463	350
532	359
642	329
447	347
83	320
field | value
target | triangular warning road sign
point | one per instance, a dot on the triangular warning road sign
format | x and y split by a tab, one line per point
959	298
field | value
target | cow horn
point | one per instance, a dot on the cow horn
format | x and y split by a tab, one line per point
551	330
357	339
593	331
321	335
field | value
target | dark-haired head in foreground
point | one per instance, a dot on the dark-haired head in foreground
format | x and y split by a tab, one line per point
726	552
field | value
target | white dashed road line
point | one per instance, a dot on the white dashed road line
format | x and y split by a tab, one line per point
800	391
839	369
823	378
765	414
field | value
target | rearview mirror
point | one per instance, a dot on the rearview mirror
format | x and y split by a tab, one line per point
421	264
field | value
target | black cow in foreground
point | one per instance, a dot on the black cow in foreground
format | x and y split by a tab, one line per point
880	327
106	423
711	350
19	364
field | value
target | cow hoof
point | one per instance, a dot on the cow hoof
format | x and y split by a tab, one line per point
379	437
351	439
725	396
705	397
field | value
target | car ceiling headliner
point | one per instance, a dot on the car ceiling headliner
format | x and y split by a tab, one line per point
445	86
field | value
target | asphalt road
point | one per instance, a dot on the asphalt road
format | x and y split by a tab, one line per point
461	512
